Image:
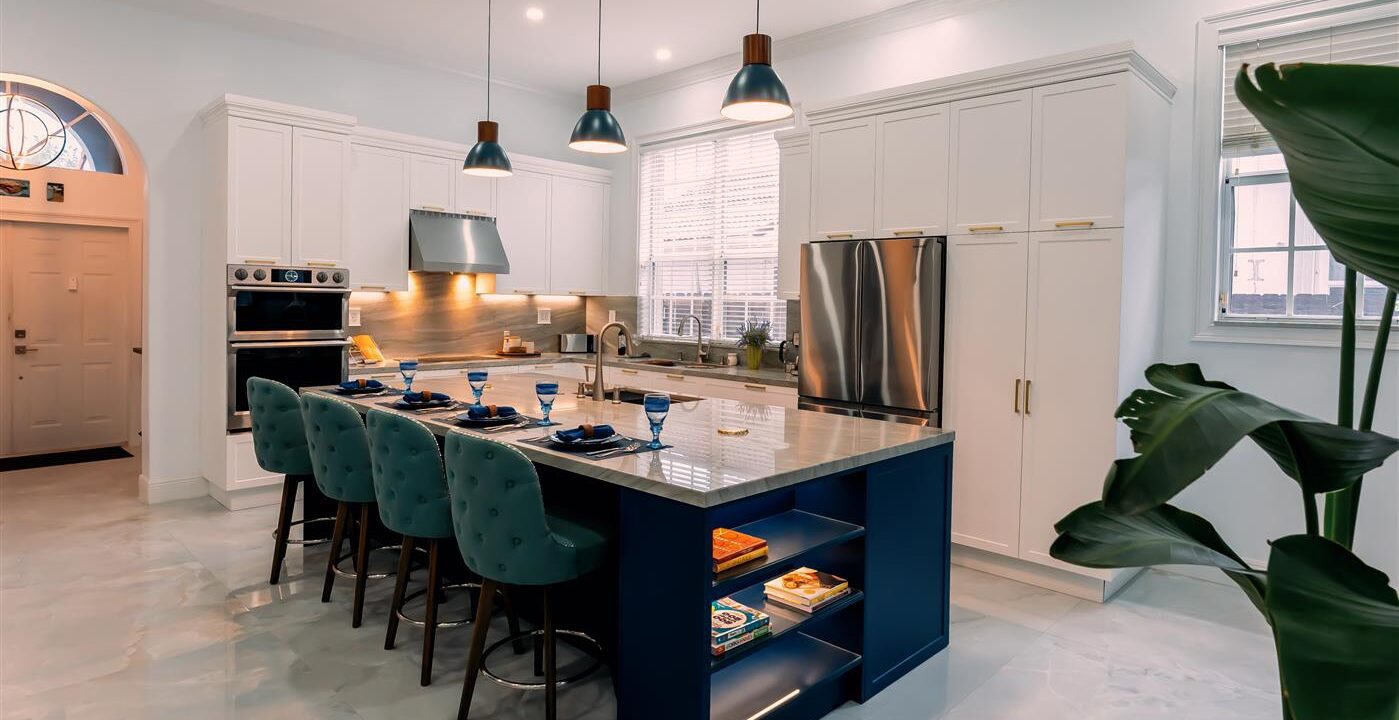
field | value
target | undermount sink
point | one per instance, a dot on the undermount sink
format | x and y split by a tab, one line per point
634	396
657	363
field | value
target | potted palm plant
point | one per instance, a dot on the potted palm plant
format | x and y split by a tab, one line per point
753	336
1335	619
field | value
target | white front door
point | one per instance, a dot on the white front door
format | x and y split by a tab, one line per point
67	336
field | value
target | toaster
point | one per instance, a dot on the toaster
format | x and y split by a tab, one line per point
575	343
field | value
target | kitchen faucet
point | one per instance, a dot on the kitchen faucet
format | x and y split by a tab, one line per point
700	352
599	393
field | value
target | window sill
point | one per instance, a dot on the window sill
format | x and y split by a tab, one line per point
1294	332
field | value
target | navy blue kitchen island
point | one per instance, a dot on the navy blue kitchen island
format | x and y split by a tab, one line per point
864	499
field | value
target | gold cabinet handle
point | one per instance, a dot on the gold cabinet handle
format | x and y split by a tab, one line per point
907	232
759	388
674	376
433	208
577	292
367	286
1073	223
839	235
986	228
1017	396
320	263
259	261
1027	397
629	372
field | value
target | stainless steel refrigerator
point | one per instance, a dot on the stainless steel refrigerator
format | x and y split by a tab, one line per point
871	323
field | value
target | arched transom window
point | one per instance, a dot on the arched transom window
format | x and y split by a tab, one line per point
43	128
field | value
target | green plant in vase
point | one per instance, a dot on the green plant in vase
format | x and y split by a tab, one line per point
753	336
1335	620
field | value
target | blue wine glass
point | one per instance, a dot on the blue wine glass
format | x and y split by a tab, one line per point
657	407
477	380
546	392
409	370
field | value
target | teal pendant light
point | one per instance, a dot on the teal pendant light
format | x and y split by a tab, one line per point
597	130
756	94
487	158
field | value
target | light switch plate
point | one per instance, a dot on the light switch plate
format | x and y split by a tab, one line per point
354	317
611	316
544	316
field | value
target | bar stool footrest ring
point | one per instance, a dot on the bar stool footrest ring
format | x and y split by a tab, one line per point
304	522
350	574
440	623
589	647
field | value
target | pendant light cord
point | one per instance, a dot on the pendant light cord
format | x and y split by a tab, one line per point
599	42
488	59
758	17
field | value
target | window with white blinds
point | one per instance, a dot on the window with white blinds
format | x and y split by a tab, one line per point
708	237
1372	42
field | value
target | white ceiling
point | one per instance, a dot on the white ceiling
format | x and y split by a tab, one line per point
554	54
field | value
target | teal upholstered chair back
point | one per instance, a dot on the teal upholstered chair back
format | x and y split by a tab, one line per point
278	437
339	448
408	479
498	513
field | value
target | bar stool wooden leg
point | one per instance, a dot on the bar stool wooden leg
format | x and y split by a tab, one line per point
400	588
279	549
337	539
434	584
551	665
479	628
513	620
361	564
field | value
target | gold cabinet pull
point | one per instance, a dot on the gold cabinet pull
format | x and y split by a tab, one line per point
759	388
259	261
839	235
320	263
674	376
986	228
1017	396
908	232
433	208
629	372
1073	223
367	286
1027	397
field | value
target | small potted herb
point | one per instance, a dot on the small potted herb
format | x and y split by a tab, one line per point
754	336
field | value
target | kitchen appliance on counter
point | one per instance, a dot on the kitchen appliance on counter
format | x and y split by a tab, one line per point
575	343
871	328
287	324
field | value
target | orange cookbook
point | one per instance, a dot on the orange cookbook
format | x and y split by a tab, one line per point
732	547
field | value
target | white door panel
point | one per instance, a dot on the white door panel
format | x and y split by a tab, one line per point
911	182
990	167
1080	154
842	180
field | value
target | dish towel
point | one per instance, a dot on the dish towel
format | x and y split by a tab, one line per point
490	412
586	432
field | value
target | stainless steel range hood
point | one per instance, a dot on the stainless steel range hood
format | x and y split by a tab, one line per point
448	242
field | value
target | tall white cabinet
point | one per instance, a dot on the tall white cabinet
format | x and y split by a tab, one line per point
1047	180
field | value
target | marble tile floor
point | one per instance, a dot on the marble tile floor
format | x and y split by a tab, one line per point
113	609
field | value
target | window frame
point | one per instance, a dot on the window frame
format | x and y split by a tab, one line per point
709	131
1213	33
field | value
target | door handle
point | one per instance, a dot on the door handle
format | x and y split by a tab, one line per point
1017	396
25	350
1027	397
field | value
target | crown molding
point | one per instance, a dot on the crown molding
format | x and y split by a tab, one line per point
797	138
401	142
275	112
1104	60
903	17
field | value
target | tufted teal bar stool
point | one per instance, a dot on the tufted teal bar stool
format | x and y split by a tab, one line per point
411	488
508	538
339	447
279	441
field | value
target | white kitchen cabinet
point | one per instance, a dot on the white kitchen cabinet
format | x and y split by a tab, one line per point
749	392
990	164
1079	154
842	180
910	187
378	233
474	195
578	214
523	218
430	185
259	204
1071	367
983	377
793	209
320	184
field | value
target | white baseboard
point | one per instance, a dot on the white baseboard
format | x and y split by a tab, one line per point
1049	578
171	490
1209	574
245	498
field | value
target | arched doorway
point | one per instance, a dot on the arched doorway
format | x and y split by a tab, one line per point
72	278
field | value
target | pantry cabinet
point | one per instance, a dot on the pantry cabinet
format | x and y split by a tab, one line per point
990	164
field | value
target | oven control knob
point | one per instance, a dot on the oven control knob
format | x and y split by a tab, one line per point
321	277
259	275
240	274
338	277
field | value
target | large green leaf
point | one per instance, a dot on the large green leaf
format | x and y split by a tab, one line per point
1094	536
1188	423
1336	623
1338	129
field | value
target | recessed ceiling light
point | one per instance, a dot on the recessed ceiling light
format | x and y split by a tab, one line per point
534	13
662	54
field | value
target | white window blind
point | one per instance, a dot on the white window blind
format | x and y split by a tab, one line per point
708	237
1372	42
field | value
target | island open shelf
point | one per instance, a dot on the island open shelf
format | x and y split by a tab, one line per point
781	672
783	620
791	535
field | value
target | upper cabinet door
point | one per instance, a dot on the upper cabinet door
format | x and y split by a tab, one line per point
320	182
475	195
431	183
523	218
1078	169
259	192
793	218
842	193
990	177
578	212
911	172
377	252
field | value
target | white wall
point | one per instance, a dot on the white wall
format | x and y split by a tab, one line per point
1244	496
153	72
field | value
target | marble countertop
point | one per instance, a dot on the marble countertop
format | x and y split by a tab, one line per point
775	377
783	446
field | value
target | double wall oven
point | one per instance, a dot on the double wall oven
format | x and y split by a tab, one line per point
286	324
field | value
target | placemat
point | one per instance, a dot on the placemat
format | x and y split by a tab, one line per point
456	405
489	429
